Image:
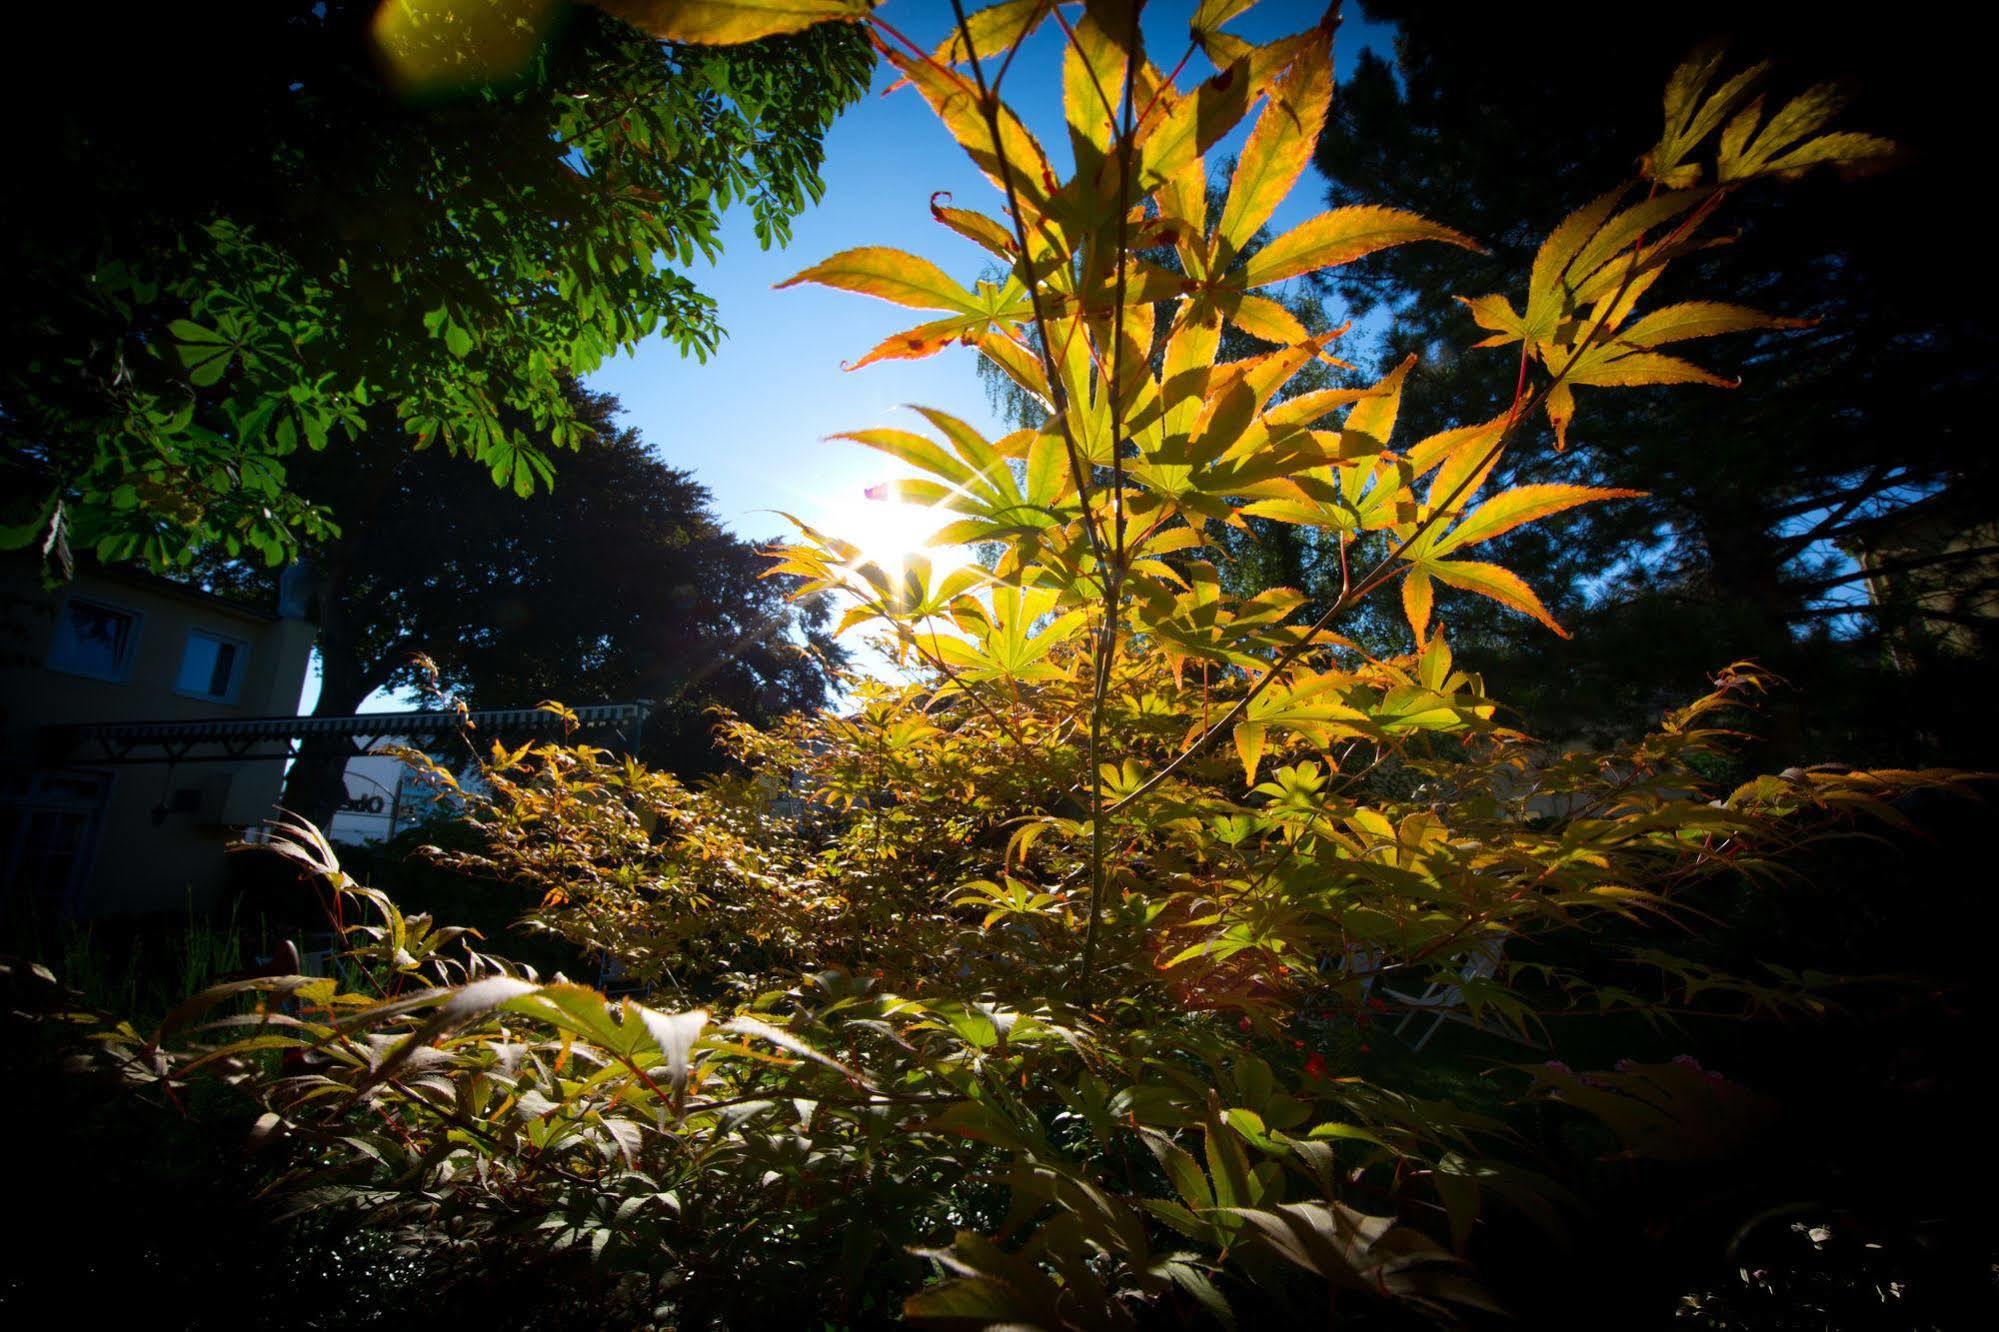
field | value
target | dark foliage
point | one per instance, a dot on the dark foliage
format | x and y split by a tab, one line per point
245	245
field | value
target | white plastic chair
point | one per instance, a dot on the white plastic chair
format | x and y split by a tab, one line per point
1441	998
1356	960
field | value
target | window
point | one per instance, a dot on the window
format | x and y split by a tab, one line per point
48	831
211	666
94	640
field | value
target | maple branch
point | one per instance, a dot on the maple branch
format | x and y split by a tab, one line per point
1113	579
1898	566
1058	393
1385	569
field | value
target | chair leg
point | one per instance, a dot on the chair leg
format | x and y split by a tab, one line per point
1424	1002
1428	1034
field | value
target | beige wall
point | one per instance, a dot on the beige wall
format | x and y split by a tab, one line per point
141	860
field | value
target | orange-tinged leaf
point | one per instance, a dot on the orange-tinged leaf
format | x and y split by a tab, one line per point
1591	273
1194	121
1491	580
1261	317
1690	117
1561	409
1236	392
1341	236
1183	211
1281	143
1017	157
1602	367
1700	319
1020	364
1523	504
1463	444
1463	471
1496	314
1372	420
1645	368
1614	292
1297	511
1552	259
1249	747
1417	597
730	22
1225	48
1092	87
893	275
1310	408
1190	355
913	344
916	450
979	228
993	29
1211	14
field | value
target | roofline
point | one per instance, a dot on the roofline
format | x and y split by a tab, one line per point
436	721
234	739
135	576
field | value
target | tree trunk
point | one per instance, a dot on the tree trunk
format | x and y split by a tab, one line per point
361	491
1746	572
316	787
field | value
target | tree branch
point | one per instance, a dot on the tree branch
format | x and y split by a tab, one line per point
1895	567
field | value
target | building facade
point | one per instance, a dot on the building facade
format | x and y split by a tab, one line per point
89	833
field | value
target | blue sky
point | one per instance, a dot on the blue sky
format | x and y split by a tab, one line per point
752	422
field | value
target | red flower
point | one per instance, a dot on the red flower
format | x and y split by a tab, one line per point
1315	1065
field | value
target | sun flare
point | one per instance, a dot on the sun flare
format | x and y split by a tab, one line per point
890	532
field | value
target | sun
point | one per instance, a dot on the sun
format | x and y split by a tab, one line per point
890	532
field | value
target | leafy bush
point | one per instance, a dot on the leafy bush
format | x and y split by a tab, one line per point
1011	996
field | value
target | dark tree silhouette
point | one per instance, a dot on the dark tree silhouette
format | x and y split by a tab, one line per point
618	584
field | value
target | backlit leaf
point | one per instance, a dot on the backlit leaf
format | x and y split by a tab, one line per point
1490	580
1341	236
1281	143
730	22
893	275
1522	504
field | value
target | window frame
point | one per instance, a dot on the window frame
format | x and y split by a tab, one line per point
122	673
78	793
236	671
